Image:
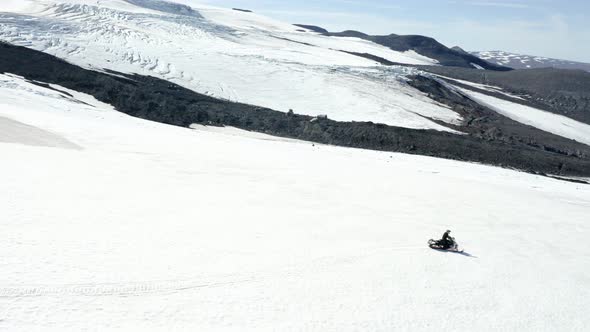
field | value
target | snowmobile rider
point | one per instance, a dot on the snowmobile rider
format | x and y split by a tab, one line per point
447	240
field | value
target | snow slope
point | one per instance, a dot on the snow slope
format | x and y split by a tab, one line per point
15	132
549	122
486	87
228	54
157	228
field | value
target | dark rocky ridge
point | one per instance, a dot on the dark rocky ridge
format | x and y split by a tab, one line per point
159	100
242	10
313	28
560	91
481	122
425	46
459	49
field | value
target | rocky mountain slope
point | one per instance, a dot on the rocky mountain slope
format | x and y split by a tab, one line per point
558	91
422	45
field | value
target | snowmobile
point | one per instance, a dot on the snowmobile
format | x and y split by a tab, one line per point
443	245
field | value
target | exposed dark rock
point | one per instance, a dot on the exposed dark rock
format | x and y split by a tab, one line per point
425	46
560	91
487	124
374	58
242	10
459	49
312	28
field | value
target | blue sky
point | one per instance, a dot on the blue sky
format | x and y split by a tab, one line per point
544	27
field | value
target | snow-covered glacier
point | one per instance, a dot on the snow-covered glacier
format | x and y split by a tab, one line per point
228	54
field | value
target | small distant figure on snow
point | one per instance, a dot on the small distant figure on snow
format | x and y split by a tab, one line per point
446	243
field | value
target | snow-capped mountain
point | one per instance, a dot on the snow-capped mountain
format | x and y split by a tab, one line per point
520	61
229	54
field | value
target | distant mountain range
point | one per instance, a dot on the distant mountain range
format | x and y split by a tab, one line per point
520	61
426	46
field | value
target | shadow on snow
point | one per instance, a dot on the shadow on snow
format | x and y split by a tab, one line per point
463	253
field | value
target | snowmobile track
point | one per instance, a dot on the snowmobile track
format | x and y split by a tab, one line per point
116	289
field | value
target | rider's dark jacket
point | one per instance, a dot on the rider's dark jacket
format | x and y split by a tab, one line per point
446	237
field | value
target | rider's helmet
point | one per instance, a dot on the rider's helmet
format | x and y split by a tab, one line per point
448	230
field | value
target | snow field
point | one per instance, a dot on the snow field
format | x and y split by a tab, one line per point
157	228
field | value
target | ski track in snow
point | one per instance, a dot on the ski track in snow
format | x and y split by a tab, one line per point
157	228
231	55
